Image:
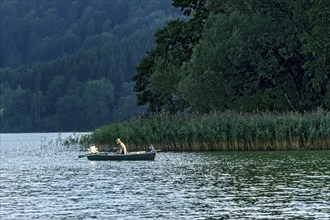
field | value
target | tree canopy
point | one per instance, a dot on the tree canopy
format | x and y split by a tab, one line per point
67	65
239	55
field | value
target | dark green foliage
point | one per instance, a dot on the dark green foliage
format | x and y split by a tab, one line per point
266	55
242	55
65	65
98	97
70	113
158	75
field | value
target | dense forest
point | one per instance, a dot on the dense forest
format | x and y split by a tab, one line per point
250	55
67	65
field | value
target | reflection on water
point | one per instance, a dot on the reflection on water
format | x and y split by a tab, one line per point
42	182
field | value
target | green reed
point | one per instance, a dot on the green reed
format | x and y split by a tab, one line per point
229	131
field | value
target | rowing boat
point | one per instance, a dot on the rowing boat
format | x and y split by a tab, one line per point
140	155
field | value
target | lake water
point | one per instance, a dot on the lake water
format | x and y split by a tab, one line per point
40	179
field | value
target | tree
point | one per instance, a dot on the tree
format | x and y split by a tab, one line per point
70	42
126	105
69	113
98	98
55	90
17	110
314	20
157	78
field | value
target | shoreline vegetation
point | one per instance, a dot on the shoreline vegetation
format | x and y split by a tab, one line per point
229	131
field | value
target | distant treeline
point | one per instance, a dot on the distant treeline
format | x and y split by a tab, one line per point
67	65
228	131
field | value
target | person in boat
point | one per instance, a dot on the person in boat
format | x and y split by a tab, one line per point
121	147
151	148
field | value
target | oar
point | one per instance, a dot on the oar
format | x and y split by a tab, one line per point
83	155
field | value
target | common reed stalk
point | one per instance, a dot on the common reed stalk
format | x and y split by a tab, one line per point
228	131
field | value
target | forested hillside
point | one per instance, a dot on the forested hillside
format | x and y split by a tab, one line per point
241	55
67	65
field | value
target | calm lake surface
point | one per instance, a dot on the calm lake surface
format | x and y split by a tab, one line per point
40	179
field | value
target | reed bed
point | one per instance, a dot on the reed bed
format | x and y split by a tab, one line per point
229	131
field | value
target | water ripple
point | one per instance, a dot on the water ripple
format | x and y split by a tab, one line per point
55	184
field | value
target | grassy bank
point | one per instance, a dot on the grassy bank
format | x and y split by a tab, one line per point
221	132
